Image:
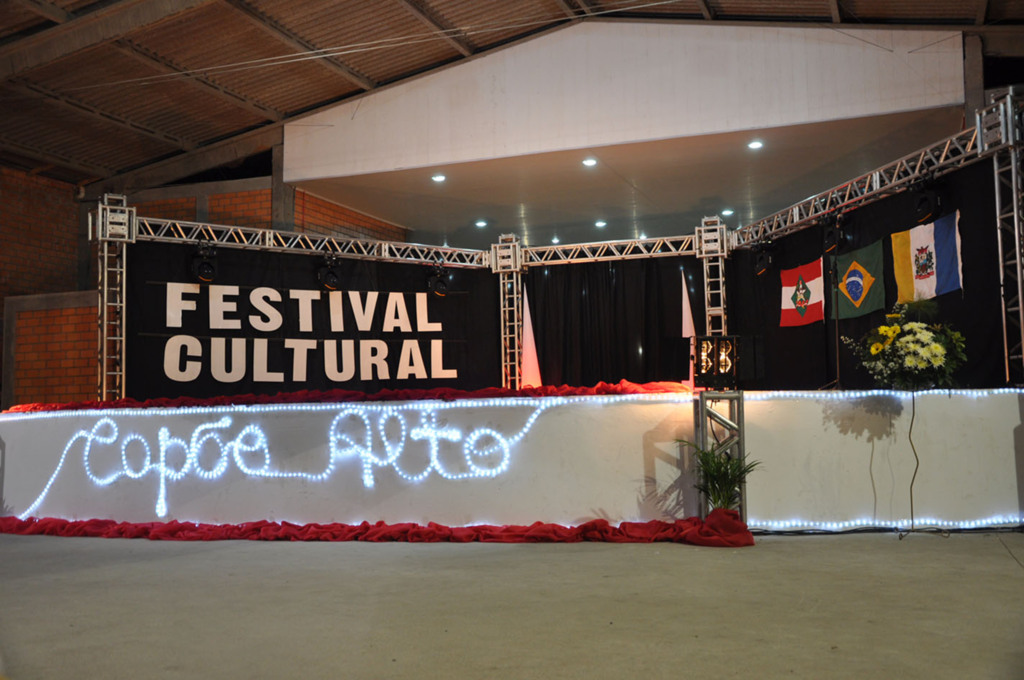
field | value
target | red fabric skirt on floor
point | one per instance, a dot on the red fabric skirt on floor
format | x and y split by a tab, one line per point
722	528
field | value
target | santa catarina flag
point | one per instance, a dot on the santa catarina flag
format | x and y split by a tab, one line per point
861	288
803	299
926	259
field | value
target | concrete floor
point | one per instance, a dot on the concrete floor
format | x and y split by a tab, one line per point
853	606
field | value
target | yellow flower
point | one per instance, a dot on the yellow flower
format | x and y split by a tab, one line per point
877	347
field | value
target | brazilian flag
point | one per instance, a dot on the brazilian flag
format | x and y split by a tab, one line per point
861	288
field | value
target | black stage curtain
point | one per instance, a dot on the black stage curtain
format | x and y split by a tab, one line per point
805	357
610	321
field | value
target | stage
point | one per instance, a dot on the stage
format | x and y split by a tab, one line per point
829	461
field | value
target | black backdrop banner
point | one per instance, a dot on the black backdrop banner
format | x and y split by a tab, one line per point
264	324
612	321
809	357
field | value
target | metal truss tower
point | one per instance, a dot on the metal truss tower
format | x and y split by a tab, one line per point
507	263
1002	134
712	249
114	227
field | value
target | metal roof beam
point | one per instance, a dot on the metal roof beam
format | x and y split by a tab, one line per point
54	158
979	18
163	65
706	10
109	22
422	11
31	89
270	26
183	165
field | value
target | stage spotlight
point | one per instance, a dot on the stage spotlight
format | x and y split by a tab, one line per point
834	235
927	205
437	282
762	258
716	362
329	275
204	262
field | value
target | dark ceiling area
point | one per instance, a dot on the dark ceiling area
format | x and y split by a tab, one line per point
126	95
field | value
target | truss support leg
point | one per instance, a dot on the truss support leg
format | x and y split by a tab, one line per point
718	422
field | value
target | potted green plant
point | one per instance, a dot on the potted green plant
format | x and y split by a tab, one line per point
722	475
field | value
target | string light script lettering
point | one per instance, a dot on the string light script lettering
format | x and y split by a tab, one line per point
379	437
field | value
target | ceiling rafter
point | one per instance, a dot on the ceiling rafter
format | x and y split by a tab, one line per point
165	66
55	158
189	163
57	15
110	22
982	12
31	89
568	10
585	7
422	11
833	7
706	10
270	26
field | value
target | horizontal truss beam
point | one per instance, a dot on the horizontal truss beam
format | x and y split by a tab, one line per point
176	231
950	154
609	250
995	132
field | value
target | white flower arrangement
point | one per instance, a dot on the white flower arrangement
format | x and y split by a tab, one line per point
910	355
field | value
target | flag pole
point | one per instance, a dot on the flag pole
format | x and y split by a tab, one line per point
833	274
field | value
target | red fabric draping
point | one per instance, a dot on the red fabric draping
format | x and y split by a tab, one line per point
318	396
722	528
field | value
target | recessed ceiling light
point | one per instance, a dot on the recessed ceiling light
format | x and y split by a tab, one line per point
600	223
727	212
439	178
554	239
481	223
590	162
756	144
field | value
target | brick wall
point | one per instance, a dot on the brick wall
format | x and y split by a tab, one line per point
242	209
52	352
38	235
39	253
315	215
55	355
253	208
168	209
